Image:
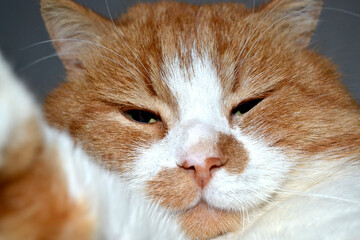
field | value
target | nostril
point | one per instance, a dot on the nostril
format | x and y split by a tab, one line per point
207	165
215	167
186	165
202	169
189	168
214	163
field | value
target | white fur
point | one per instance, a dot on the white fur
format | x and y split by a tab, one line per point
121	213
201	118
198	94
196	89
118	212
329	210
193	136
16	104
265	172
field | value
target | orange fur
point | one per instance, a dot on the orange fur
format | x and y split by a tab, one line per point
171	193
34	199
203	222
306	110
234	154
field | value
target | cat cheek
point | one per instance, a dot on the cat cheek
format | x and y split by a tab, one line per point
234	152
173	188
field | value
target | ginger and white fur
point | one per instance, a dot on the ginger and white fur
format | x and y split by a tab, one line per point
287	169
105	208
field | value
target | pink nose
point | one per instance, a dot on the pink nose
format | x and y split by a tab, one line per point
202	172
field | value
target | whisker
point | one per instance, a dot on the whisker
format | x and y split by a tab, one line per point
257	26
318	196
88	42
122	39
342	11
267	29
250	30
72	53
70	40
289	15
243	221
247	216
38	61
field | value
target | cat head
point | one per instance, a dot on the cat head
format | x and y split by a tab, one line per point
207	109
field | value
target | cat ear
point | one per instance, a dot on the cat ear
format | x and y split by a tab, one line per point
296	19
73	29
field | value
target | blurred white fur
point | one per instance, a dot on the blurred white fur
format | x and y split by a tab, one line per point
118	212
329	210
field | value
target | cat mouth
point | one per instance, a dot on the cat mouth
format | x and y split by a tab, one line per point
202	203
202	209
204	218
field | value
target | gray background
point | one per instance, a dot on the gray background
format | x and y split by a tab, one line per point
337	37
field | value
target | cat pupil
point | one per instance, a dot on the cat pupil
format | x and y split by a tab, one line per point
141	116
244	107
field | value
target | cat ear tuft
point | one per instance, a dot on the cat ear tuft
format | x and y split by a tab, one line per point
296	19
72	28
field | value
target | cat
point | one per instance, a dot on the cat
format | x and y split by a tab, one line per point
217	115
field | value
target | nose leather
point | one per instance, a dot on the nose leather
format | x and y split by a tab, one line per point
202	172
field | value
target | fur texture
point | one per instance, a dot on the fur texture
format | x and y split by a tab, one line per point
50	188
251	134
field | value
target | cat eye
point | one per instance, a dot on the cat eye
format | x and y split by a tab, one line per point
244	107
141	116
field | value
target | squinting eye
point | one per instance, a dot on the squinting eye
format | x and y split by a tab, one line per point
244	107
142	116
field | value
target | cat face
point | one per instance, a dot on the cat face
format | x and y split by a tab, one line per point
206	109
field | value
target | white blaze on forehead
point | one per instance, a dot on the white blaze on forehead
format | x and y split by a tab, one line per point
199	96
197	88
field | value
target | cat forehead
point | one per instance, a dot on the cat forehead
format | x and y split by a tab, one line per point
226	39
197	80
219	33
196	87
131	51
178	13
165	28
171	26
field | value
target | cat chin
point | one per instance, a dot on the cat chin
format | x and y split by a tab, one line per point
203	221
